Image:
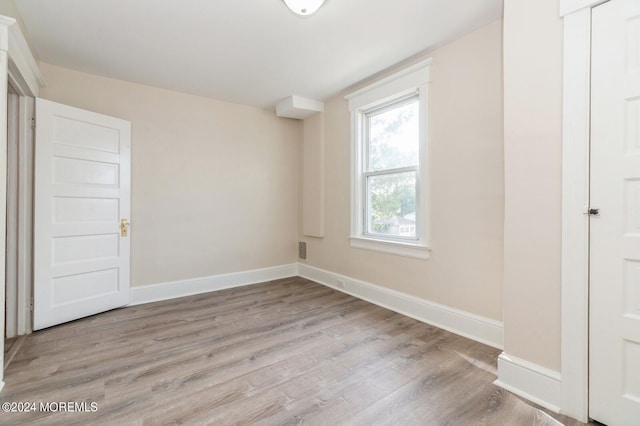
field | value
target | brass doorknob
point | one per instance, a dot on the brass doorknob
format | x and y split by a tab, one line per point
124	225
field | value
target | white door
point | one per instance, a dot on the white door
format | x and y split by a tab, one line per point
82	197
614	341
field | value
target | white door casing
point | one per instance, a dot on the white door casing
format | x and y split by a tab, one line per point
82	192
11	252
614	332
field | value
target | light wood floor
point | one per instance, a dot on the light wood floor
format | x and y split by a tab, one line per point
285	352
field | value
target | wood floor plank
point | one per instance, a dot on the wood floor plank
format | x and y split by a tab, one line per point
283	352
330	366
288	354
158	344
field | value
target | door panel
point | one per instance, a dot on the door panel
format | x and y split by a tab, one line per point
82	191
614	341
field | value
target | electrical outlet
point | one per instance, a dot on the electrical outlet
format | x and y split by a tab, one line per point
340	284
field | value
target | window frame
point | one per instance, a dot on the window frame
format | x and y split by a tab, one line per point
387	93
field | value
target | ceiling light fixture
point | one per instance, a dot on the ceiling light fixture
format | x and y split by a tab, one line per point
304	7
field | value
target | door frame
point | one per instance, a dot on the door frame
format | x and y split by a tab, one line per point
576	138
19	250
11	252
18	65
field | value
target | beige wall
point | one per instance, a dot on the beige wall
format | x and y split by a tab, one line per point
466	265
533	159
215	186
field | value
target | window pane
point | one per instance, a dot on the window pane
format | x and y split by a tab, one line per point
391	204
394	137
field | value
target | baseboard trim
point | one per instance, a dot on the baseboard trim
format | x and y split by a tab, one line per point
523	378
174	289
1	385
476	327
530	381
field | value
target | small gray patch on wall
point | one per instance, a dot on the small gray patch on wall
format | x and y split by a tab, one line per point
302	250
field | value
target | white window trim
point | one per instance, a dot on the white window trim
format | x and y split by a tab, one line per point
410	80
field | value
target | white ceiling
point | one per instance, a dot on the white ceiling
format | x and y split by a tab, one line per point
253	52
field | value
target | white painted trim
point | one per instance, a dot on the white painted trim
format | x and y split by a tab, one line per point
4	60
392	247
23	68
25	214
11	251
571	6
530	381
175	289
18	65
413	80
476	327
575	225
416	72
402	82
5	23
19	215
575	199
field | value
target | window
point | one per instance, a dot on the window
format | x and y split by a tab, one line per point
391	142
389	164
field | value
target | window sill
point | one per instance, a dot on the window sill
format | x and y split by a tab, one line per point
413	251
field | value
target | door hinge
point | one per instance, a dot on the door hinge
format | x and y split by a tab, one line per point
33	123
31	304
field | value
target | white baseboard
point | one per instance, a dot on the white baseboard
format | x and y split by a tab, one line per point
1	385
476	327
530	381
469	325
523	378
174	289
